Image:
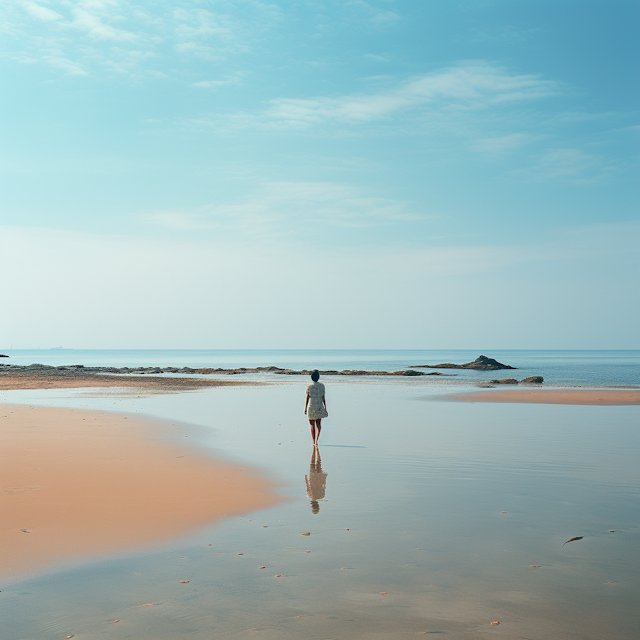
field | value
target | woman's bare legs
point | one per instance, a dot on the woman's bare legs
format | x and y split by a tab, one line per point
316	427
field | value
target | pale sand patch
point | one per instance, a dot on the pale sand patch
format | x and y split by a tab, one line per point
599	397
76	483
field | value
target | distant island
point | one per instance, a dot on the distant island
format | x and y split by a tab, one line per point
481	363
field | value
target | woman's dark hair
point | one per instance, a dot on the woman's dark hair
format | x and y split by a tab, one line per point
315	375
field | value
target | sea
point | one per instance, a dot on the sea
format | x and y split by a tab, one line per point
594	368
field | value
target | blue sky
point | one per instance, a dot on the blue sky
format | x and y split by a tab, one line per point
338	174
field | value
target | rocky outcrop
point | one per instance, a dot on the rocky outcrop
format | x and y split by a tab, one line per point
532	380
3	356
481	363
80	369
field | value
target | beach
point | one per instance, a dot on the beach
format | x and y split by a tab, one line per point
437	517
86	483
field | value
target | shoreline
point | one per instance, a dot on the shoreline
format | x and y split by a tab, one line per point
14	378
78	484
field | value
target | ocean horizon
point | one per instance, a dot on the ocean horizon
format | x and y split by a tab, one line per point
608	368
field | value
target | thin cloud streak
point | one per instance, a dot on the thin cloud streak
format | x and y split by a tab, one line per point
465	88
290	210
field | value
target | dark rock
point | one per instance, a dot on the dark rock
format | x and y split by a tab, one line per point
533	380
411	372
481	363
504	381
3	356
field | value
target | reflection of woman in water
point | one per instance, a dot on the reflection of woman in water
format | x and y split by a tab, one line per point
316	481
315	405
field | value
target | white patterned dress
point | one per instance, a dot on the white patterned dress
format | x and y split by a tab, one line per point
316	409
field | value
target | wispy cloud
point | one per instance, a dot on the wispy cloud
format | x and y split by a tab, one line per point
467	87
40	12
147	37
445	94
500	145
215	84
290	209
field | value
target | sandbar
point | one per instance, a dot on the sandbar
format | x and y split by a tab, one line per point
61	379
77	483
600	397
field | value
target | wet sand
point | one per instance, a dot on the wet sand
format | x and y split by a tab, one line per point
437	518
598	397
77	483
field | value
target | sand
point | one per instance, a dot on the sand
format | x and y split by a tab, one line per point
78	483
600	397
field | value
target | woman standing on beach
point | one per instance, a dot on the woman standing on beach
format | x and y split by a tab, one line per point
315	405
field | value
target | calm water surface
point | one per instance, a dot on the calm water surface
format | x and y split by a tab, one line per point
595	368
415	491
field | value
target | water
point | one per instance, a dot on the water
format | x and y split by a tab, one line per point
415	492
588	368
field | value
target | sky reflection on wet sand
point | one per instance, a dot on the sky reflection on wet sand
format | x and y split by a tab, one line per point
413	508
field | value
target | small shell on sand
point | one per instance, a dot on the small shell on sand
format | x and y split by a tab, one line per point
262	567
495	623
241	554
184	581
383	593
307	551
535	565
612	530
278	575
306	533
504	512
116	620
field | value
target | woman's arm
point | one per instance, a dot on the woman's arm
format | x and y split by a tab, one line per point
324	402
306	402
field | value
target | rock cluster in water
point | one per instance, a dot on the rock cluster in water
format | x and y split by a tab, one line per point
481	363
531	380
